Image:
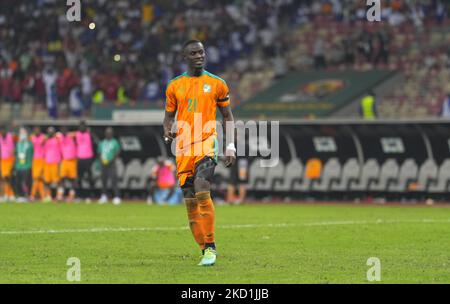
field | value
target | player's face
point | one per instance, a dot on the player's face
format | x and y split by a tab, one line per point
195	55
37	130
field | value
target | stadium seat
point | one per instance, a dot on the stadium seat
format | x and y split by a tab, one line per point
133	174
350	172
257	175
302	183
274	175
408	173
427	173
388	173
443	178
331	172
293	173
369	173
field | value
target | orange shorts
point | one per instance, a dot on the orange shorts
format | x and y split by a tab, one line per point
7	167
187	158
37	168
51	173
68	169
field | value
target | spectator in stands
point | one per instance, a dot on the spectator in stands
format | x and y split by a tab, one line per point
50	76
108	151
164	188
368	106
445	112
319	54
86	92
147	37
76	102
22	166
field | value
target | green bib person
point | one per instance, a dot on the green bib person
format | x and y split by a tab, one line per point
108	150
22	165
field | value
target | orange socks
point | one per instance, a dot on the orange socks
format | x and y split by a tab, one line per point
41	189
195	221
207	213
37	188
9	192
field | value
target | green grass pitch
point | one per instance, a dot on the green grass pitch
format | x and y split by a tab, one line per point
137	243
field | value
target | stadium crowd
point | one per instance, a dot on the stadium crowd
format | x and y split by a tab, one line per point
126	51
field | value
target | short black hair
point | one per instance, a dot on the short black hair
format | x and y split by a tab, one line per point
190	42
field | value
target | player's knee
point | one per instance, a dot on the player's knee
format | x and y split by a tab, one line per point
201	184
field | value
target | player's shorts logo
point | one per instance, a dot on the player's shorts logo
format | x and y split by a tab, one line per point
206	88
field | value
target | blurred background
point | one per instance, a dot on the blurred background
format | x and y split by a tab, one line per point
281	58
289	60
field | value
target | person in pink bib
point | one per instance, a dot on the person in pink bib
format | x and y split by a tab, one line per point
37	168
52	157
7	150
85	156
164	188
68	171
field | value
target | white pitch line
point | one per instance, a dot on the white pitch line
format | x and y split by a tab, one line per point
239	226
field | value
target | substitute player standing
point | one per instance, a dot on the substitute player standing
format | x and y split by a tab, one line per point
52	156
37	168
68	169
7	146
194	96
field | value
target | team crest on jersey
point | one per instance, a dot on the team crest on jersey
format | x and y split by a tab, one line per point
206	88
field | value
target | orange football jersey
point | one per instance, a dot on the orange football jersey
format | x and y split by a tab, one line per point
196	100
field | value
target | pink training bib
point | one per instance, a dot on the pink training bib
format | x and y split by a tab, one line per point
38	146
52	151
68	147
7	146
164	175
84	145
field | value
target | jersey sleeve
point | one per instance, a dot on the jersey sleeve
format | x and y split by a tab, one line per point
223	95
171	101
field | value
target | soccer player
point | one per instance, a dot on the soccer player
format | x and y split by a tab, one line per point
194	96
52	156
68	172
85	155
22	166
37	168
109	150
7	162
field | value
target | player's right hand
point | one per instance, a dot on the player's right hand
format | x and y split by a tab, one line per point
168	137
